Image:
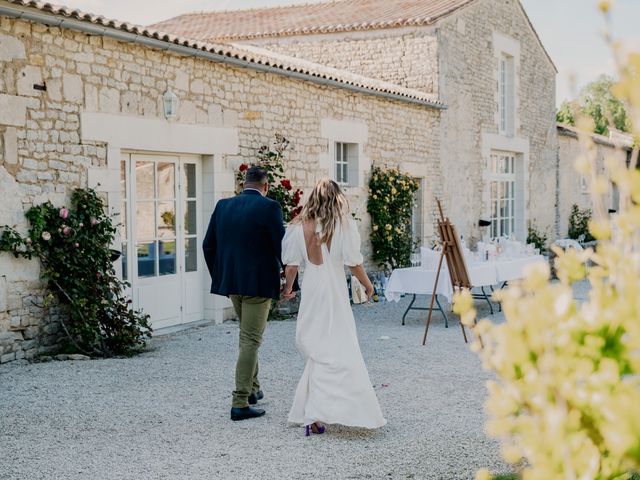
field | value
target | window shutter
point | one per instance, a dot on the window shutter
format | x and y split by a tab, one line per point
353	165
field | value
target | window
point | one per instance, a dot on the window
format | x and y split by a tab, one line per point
507	95
502	188
346	164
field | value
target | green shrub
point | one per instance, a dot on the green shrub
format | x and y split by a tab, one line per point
539	239
390	205
579	224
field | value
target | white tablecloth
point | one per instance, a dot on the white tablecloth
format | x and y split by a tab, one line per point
420	280
513	269
417	280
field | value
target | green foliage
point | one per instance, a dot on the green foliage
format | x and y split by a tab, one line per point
390	204
74	248
596	100
539	239
579	224
280	188
567	113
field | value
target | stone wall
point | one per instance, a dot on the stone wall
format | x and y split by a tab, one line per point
456	59
43	156
468	68
406	57
573	189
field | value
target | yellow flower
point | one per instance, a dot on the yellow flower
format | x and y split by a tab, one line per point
393	191
604	6
483	474
375	228
388	227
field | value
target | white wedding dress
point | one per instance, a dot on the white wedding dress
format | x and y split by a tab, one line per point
335	386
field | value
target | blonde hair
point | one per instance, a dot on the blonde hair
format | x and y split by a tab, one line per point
326	204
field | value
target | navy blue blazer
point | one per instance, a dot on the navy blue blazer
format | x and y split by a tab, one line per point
243	246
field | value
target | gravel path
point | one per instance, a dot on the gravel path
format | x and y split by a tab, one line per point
165	414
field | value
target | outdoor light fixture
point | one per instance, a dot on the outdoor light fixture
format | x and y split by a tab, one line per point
170	102
484	223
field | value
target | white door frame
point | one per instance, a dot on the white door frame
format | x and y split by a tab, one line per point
154	135
178	295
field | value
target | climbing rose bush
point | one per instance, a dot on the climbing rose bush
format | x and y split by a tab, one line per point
280	188
390	205
566	399
73	245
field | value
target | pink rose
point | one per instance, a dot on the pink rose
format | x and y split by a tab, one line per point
94	222
76	244
66	230
64	213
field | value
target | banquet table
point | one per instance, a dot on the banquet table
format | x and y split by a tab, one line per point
482	274
418	281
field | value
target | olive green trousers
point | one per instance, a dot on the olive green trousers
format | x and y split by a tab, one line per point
252	313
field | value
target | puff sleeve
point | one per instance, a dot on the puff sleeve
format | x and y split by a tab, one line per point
291	253
351	244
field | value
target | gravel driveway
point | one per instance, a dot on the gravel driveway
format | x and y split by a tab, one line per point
165	413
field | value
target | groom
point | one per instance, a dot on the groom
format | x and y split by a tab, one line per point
242	249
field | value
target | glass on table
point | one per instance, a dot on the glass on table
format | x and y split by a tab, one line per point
415	259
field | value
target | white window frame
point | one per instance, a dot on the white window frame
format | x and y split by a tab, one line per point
346	164
507	95
507	55
341	164
354	133
503	187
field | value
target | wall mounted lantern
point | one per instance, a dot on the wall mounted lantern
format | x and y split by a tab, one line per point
170	102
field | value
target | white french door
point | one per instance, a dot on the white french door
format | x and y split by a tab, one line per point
502	192
161	236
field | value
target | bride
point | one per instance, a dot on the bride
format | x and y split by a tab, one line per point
335	386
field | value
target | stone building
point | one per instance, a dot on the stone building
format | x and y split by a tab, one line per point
573	188
82	103
459	93
481	58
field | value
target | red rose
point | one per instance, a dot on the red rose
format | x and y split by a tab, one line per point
244	167
286	184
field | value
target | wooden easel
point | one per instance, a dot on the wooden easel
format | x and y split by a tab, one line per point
452	251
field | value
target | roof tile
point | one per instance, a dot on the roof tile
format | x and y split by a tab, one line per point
324	17
253	56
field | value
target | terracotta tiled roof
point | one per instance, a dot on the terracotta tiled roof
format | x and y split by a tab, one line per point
243	56
325	17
